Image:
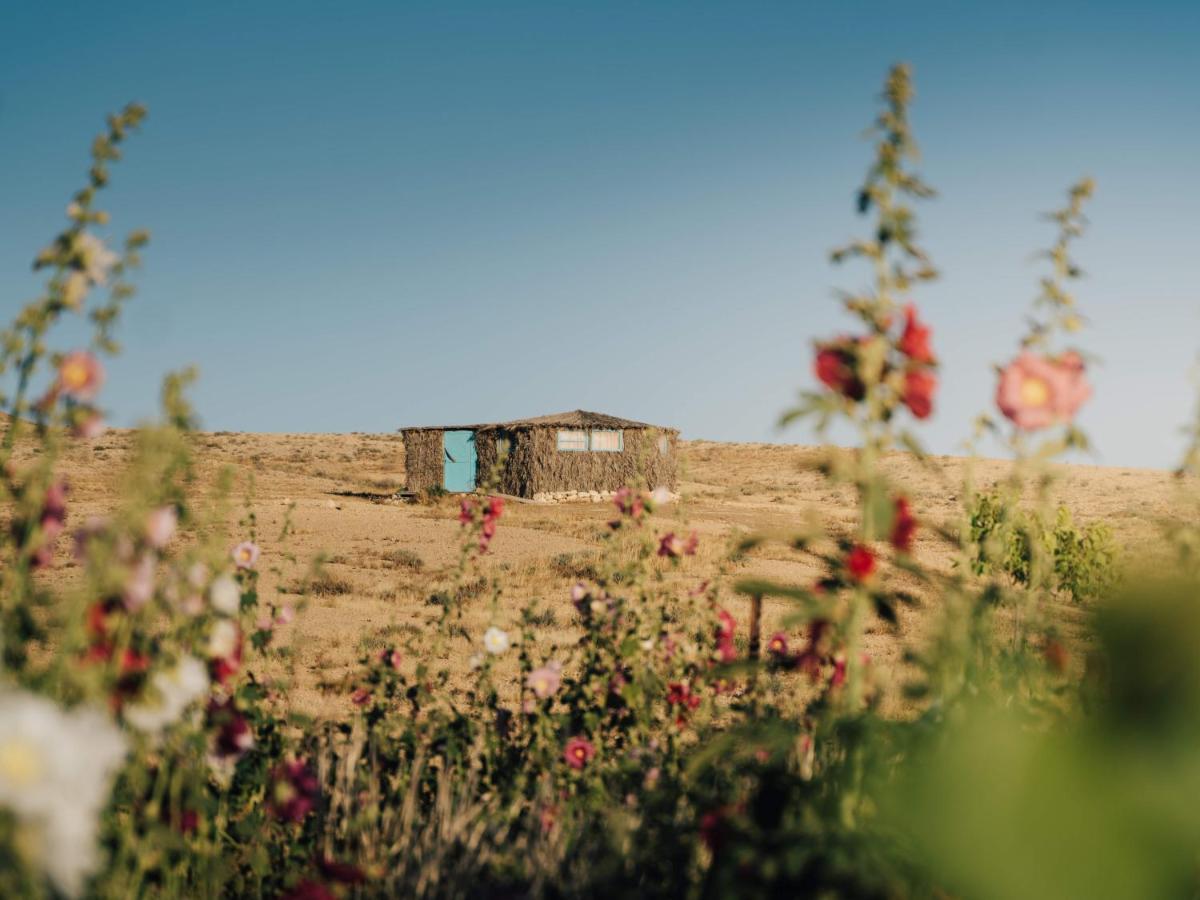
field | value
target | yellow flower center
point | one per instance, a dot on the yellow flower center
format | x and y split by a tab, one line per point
75	375
1035	392
19	762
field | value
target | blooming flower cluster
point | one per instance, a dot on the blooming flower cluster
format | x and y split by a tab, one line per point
847	365
56	771
486	514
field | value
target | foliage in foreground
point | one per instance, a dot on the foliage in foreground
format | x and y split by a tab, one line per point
143	752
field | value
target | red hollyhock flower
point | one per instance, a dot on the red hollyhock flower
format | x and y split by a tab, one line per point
836	367
914	342
860	563
579	752
778	644
294	791
466	511
726	625
904	525
233	735
919	388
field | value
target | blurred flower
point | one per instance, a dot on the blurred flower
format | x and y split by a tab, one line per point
914	342
661	495
629	504
95	259
225	595
495	641
836	366
294	791
286	615
1037	391
232	735
80	375
89	425
360	697
224	650
160	526
245	555
860	562
544	682
391	658
904	525
169	692
56	771
139	586
579	752
51	521
726	625
777	646
919	388
673	546
74	290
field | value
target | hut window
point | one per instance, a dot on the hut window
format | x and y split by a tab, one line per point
572	440
608	441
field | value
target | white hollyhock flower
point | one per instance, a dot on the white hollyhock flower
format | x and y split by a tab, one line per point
495	641
97	259
226	595
56	772
171	691
223	639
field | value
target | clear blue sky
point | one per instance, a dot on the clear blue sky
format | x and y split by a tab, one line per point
374	214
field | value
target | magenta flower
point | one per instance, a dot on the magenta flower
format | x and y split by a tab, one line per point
294	791
1038	391
80	375
579	752
245	555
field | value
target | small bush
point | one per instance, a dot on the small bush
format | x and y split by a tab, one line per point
404	559
1083	560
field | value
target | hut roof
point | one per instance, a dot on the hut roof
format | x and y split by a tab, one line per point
576	418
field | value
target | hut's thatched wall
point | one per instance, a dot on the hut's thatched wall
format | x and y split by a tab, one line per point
536	465
423	459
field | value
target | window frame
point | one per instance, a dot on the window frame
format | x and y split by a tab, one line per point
619	432
572	431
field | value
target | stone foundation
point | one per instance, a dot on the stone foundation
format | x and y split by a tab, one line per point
580	497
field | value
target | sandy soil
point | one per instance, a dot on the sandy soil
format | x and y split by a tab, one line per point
385	556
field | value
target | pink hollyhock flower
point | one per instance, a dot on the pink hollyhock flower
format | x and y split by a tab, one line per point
80	375
245	555
914	342
139	586
860	563
360	697
836	366
89	426
838	678
919	388
391	657
1037	391
726	626
579	752
904	526
629	503
160	526
673	546
466	511
52	521
294	791
287	614
544	682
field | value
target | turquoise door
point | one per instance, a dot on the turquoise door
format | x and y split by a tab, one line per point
459	449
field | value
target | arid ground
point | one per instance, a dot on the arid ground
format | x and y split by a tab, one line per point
383	557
